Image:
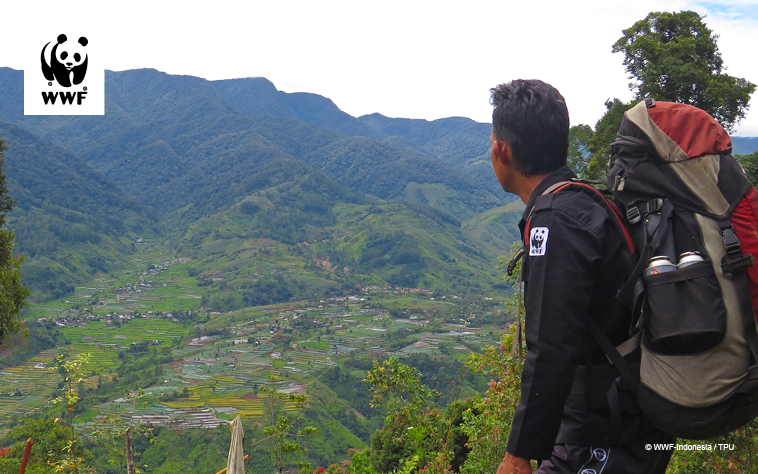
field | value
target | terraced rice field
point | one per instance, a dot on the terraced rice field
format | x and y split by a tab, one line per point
24	388
133	331
226	391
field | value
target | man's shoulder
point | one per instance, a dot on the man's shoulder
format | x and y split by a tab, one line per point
574	205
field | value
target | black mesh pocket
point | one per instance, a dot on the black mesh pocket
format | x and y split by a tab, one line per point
684	312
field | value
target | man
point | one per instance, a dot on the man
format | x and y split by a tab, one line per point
573	266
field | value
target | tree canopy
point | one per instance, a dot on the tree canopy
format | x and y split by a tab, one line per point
675	57
12	293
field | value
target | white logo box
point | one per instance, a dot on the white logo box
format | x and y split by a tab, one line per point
43	96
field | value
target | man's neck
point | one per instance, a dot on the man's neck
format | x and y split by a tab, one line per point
524	186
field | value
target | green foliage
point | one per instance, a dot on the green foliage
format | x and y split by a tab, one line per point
112	430
13	294
411	422
578	152
738	454
400	385
192	451
750	165
605	133
73	374
41	336
674	57
589	150
416	434
488	422
51	449
280	434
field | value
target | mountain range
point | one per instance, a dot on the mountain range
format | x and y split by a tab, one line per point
196	162
215	167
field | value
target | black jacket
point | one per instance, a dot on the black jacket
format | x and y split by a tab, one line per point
572	270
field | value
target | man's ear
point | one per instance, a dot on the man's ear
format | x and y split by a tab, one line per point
503	152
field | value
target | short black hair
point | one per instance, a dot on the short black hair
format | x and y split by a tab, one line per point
531	116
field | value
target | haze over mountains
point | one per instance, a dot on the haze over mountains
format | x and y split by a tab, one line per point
236	164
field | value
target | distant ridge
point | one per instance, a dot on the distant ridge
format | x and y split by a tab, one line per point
744	145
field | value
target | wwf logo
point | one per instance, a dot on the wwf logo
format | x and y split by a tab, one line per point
538	241
65	61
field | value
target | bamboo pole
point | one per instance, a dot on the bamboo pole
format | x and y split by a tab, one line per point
129	459
223	471
27	451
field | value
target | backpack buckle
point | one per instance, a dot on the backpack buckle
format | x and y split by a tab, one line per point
633	215
653	206
733	262
731	242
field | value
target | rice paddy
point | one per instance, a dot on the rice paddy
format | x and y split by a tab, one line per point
281	347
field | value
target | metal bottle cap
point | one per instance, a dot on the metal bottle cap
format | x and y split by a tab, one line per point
659	264
689	258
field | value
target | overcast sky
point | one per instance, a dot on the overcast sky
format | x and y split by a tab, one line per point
406	58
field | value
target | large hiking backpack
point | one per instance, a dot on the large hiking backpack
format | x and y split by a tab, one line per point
673	177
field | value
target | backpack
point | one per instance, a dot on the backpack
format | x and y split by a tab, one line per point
686	199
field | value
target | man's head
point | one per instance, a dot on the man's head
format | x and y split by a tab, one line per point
532	118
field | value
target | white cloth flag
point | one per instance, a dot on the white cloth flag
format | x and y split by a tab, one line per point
235	464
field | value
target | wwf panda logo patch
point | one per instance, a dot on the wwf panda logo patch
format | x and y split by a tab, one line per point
538	241
66	61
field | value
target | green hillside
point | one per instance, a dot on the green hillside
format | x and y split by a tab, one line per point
71	222
243	262
159	128
499	226
382	171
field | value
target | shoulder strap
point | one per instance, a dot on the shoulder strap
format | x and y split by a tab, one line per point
619	224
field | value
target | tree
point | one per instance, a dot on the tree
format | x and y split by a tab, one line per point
674	57
113	429
578	152
749	163
73	374
50	450
13	294
589	150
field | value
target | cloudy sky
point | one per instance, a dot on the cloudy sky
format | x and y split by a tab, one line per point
401	58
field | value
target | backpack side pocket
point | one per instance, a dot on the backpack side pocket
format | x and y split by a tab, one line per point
684	312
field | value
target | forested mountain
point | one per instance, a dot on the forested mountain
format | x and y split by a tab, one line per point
192	152
159	127
238	161
70	221
458	142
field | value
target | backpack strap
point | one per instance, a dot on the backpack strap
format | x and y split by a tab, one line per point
666	209
618	222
